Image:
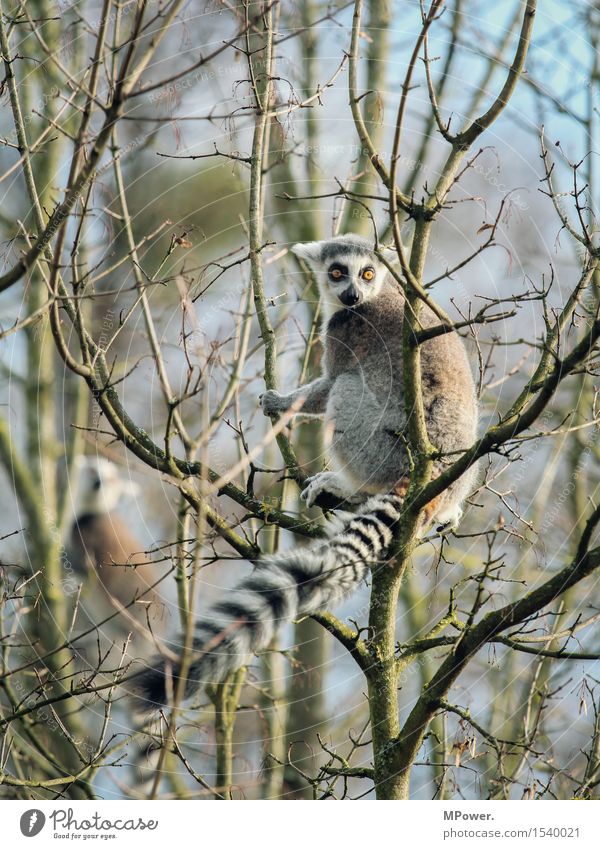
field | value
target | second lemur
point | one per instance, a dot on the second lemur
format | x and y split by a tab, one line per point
360	398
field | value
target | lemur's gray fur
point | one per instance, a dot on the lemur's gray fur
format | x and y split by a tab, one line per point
361	400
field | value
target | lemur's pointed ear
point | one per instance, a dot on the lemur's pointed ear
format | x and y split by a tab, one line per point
388	253
309	251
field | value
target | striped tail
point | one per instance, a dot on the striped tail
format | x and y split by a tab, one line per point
280	589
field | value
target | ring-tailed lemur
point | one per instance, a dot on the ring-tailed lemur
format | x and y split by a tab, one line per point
360	397
103	551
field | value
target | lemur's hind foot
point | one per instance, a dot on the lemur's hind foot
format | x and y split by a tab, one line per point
328	483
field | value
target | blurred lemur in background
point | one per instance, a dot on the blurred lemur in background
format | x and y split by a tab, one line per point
360	397
103	551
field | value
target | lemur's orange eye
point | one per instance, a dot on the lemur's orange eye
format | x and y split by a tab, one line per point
368	274
335	273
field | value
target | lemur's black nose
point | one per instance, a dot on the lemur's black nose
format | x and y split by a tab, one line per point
350	297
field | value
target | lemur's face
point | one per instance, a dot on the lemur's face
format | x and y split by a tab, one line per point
347	269
100	486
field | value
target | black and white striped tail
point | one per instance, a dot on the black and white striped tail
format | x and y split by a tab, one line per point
280	589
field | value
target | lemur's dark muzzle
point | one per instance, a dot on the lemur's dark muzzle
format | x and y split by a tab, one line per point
350	297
